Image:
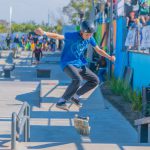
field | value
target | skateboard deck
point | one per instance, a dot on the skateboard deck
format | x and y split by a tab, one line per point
82	125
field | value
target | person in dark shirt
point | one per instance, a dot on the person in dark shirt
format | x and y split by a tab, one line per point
8	40
131	20
23	42
16	39
37	53
102	65
35	39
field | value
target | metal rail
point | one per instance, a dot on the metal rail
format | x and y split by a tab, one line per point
20	125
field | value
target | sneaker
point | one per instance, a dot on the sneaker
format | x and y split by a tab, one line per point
76	102
62	105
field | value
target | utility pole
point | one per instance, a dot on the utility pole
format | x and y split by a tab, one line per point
10	18
48	19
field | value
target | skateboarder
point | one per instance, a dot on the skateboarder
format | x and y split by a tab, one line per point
74	63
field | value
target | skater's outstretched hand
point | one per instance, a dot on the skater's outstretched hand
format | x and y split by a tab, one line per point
103	53
112	58
39	31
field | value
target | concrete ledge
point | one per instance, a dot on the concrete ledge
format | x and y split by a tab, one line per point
143	129
7	70
141	121
43	71
50	60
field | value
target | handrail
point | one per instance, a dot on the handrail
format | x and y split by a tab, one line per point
20	125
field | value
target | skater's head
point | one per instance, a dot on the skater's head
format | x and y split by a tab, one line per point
87	28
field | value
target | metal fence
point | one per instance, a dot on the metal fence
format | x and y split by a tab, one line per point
138	39
20	125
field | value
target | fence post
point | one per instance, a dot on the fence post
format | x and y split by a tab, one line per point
25	131
13	130
20	122
28	122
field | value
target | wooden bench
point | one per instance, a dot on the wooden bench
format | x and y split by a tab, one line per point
7	70
43	71
143	129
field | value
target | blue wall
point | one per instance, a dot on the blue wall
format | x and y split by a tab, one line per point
138	61
141	67
121	56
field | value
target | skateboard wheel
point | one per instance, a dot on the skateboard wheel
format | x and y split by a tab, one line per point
76	115
88	118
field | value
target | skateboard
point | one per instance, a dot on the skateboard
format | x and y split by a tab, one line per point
82	125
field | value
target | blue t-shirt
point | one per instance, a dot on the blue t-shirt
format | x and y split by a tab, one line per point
74	48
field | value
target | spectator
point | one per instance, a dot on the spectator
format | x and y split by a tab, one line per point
131	20
102	65
144	12
14	49
28	45
16	45
8	40
128	7
16	40
60	45
23	41
38	54
53	44
32	45
148	20
35	39
44	44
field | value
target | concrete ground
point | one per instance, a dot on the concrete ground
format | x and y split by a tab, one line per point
52	128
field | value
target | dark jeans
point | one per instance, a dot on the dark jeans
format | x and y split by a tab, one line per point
77	75
37	57
101	74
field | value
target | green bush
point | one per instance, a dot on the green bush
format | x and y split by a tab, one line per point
119	87
136	98
127	93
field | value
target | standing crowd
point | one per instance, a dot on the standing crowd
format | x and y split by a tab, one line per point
30	41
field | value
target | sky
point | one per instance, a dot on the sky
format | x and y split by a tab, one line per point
36	10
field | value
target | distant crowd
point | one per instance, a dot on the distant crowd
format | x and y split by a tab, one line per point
29	42
137	13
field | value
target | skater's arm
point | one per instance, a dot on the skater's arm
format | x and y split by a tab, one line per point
41	32
103	53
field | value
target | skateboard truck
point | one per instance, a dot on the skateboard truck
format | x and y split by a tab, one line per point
82	125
